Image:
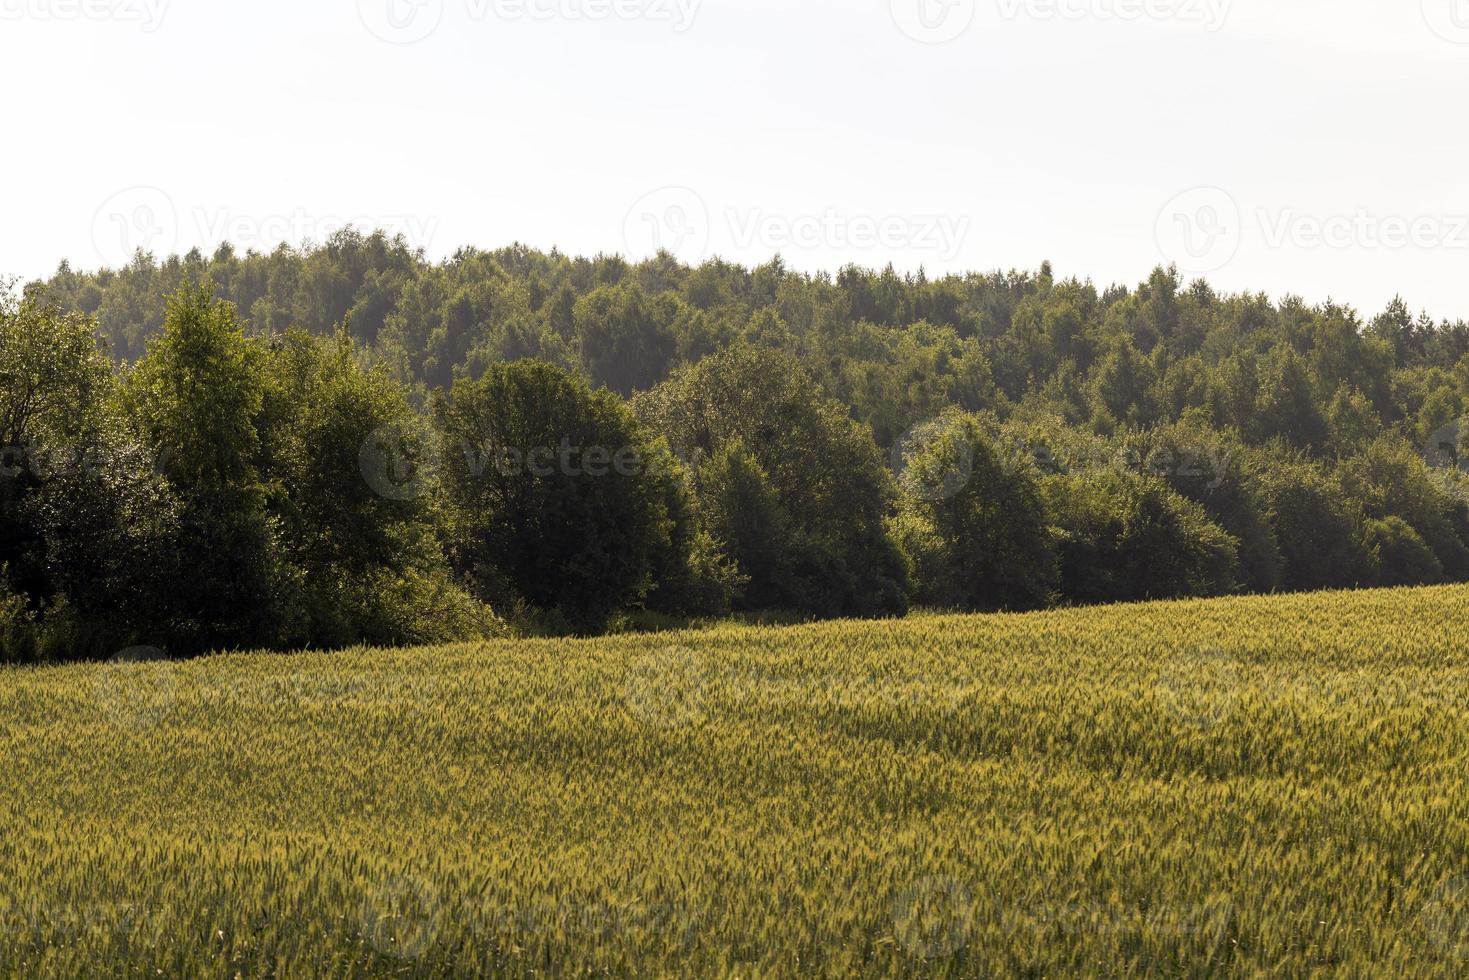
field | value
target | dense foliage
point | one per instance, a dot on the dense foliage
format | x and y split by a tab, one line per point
794	488
545	512
212	496
351	443
1262	787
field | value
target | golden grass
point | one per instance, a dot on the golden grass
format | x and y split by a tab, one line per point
1245	785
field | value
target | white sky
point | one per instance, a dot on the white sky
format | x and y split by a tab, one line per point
1329	135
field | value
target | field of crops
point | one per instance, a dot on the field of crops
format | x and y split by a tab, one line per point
1189	789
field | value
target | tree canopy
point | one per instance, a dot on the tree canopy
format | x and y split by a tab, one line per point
351	443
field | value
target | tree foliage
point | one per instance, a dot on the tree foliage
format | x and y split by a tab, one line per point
974	524
797	488
274	453
552	497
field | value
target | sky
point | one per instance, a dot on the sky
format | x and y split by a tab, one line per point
1284	146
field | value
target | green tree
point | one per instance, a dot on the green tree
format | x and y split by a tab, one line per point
744	512
1122	385
1398	554
691	574
1213	471
113	553
626	337
1286	408
87	527
1351	422
1390	480
362	549
978	524
196	399
1127	537
799	451
1314	523
54	376
551	499
54	380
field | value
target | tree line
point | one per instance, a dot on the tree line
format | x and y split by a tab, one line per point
351	444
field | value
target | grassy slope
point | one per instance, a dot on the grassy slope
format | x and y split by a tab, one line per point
1190	788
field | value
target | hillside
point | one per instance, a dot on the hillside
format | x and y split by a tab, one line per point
1241	784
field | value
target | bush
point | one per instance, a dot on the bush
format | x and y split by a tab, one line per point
1399	554
975	528
1315	526
795	491
552	502
19	642
1213	471
1127	537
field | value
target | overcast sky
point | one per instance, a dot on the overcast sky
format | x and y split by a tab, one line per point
1308	146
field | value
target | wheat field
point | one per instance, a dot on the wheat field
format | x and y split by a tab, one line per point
1227	787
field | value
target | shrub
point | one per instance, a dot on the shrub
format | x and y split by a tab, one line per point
1399	554
18	639
1314	524
795	490
975	528
1127	537
551	499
